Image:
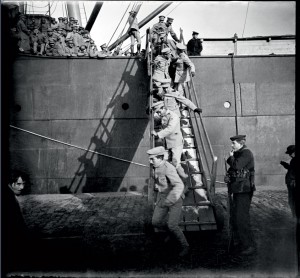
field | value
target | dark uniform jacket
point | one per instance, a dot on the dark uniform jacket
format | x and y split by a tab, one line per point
290	176
194	47
241	171
169	184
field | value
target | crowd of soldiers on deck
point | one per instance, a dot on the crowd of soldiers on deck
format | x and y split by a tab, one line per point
40	36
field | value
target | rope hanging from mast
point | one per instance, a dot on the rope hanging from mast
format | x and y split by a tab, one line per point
119	24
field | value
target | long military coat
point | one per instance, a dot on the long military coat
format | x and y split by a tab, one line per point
161	68
241	159
183	63
168	183
171	130
24	35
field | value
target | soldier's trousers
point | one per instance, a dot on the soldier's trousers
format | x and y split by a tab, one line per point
241	218
167	218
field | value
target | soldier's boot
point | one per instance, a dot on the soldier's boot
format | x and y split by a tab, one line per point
138	49
132	50
34	49
42	49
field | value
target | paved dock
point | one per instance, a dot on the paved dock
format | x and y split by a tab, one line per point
108	235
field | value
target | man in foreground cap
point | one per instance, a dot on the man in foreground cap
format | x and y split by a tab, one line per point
240	182
134	32
290	177
169	200
194	45
184	68
171	132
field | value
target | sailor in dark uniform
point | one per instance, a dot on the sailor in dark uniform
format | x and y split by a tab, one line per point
194	45
241	186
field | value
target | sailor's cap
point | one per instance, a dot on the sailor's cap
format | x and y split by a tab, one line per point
238	137
180	46
157	151
290	149
157	105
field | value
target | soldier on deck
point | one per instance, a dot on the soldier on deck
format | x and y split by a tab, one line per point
93	51
134	32
172	133
183	68
70	49
82	51
24	33
240	181
49	49
44	26
194	45
32	25
170	197
38	42
104	51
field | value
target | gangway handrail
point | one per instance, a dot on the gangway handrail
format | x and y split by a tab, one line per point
213	168
152	141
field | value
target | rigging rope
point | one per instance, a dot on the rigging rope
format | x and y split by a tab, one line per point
54	9
119	24
133	9
77	147
245	19
174	8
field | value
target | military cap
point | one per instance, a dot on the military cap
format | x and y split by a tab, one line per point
71	18
157	151
49	30
180	46
290	149
132	12
22	16
60	18
238	137
165	85
170	19
166	50
51	41
195	33
157	105
103	45
161	16
82	47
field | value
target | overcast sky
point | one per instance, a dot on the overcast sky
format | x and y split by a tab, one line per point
212	19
